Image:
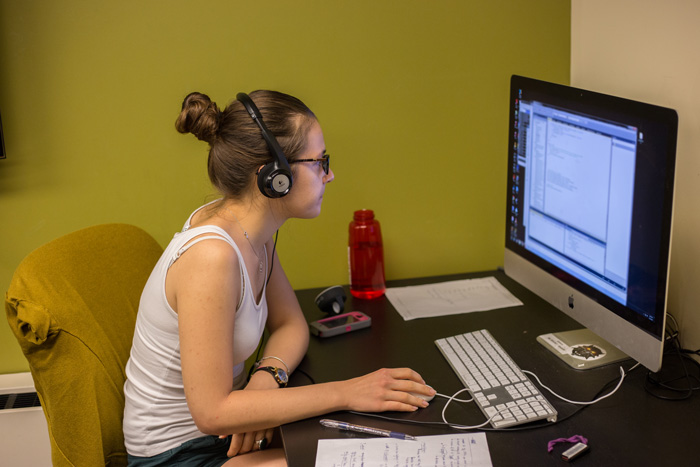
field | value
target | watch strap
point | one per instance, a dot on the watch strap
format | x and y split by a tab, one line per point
275	372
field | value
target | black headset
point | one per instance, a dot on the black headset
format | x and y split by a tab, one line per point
274	178
331	300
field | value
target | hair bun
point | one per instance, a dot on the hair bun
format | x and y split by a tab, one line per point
199	116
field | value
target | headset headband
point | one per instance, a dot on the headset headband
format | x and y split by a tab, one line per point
275	178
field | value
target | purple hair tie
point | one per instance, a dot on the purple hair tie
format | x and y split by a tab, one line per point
573	439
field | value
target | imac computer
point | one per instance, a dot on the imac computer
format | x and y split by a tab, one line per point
589	216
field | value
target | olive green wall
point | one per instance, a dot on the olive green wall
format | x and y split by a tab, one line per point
411	94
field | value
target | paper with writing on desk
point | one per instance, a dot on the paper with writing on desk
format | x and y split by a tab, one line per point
450	298
453	450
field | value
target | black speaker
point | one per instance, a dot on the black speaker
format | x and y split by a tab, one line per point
274	178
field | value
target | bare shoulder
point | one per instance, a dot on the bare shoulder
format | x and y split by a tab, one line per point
208	266
208	251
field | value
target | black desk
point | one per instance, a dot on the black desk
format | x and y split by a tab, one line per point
630	428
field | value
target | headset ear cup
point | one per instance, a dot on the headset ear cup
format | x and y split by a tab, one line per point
264	178
273	181
331	300
275	178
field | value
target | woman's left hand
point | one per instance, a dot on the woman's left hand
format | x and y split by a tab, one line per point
242	443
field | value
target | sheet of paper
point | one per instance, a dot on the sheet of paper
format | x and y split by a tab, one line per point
462	449
450	298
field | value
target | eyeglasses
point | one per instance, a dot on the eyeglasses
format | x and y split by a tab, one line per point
325	162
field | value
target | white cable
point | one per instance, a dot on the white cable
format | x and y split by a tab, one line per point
622	378
452	398
459	427
463	427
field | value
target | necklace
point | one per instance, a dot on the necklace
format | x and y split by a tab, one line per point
261	266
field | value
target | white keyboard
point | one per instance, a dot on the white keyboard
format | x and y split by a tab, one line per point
500	389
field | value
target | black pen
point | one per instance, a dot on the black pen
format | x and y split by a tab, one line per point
365	429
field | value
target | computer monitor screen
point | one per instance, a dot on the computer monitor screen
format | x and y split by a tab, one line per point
589	215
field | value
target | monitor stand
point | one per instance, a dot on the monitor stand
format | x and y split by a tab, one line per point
581	349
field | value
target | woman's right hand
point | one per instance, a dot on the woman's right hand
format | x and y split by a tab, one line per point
387	389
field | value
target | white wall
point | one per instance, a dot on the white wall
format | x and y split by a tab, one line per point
649	50
24	435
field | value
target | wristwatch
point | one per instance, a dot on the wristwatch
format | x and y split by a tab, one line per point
278	373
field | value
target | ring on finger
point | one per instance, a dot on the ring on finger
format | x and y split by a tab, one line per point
261	444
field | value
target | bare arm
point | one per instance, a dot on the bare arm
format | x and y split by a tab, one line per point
207	288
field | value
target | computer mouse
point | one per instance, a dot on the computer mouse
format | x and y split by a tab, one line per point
423	396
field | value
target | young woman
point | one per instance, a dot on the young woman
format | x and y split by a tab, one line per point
219	284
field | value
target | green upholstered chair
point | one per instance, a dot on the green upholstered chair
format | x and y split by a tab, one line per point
72	305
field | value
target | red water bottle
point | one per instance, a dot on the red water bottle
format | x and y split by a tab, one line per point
366	256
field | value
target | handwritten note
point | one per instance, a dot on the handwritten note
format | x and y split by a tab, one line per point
454	450
449	298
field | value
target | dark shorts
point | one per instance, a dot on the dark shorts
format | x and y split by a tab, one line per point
209	451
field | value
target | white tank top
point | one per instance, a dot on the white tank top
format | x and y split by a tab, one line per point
156	416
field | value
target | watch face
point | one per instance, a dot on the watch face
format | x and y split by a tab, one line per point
282	375
278	373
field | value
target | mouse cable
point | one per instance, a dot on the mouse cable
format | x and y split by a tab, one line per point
454	426
415	422
579	408
453	398
598	399
463	427
672	336
622	378
528	426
